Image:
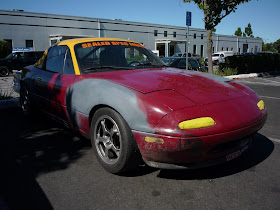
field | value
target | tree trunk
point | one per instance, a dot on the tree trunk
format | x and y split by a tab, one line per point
209	38
209	51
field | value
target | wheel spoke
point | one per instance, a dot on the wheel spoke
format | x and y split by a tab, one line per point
116	151
104	129
106	152
113	131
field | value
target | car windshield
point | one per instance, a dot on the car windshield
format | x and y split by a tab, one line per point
215	55
194	64
114	55
10	56
168	61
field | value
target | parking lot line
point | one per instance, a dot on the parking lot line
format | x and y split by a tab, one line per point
269	97
271	80
273	139
261	83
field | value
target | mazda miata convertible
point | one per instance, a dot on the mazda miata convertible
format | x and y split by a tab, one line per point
120	95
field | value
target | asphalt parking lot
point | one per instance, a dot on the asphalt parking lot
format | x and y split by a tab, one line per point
44	166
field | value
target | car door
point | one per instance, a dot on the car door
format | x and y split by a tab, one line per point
62	89
54	76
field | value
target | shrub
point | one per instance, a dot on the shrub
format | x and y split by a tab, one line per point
5	93
245	64
225	71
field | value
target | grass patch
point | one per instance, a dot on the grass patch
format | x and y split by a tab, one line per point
226	72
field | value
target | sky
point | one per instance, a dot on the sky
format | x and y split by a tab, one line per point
263	15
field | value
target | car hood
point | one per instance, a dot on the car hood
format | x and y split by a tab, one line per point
200	88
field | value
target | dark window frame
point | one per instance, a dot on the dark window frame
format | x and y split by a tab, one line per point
155	32
165	34
28	42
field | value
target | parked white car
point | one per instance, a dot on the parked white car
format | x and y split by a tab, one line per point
219	57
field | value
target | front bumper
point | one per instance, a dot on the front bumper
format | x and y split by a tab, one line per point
195	152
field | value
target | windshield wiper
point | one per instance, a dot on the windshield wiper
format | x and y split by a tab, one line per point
109	67
151	64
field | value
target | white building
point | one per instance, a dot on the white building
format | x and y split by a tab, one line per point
37	30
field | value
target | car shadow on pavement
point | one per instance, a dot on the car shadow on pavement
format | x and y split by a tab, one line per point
260	150
28	148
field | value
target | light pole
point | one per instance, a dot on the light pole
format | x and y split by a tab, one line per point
188	23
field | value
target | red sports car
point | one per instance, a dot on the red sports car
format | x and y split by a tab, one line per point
120	95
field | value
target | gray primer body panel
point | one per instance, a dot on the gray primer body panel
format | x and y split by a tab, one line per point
88	93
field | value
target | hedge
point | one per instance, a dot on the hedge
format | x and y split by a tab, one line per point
4	49
258	63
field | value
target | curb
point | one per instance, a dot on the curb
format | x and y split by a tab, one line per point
242	76
245	76
9	103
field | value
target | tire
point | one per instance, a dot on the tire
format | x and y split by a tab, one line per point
4	71
113	142
25	103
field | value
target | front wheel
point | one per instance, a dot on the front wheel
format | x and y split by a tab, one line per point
113	141
4	71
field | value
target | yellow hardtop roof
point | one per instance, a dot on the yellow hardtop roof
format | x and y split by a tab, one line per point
81	40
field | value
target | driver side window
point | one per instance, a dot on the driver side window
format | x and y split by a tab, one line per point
55	59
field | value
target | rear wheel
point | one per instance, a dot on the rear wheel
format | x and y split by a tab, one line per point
4	71
113	141
25	102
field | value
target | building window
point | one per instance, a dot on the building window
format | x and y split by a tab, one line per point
194	49
174	34
194	36
165	33
222	49
227	48
201	50
201	36
239	50
232	49
155	32
213	50
28	43
10	43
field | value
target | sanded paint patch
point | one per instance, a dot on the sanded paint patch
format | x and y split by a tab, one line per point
154	140
201	122
86	94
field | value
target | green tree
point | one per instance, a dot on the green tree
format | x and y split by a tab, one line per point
4	49
243	34
276	45
238	32
214	11
268	47
248	30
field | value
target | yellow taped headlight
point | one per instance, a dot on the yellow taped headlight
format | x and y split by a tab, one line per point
261	105
201	122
